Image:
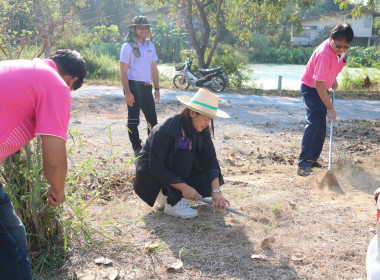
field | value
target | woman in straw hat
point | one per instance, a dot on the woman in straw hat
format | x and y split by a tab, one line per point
179	161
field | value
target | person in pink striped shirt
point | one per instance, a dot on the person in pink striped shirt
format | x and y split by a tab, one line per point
320	75
34	100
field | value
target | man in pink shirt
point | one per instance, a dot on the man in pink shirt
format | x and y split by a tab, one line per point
320	75
34	100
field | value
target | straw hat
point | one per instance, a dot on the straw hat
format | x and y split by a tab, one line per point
139	20
204	102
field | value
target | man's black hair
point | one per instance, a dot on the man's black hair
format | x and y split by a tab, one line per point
342	32
70	62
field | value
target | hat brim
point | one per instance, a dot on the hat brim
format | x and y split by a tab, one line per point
131	25
185	100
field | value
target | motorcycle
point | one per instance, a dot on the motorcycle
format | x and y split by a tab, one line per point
214	79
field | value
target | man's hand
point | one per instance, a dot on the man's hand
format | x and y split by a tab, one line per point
156	95
55	198
129	99
335	85
331	114
219	202
55	167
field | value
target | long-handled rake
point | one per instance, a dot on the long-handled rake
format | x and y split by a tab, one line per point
329	179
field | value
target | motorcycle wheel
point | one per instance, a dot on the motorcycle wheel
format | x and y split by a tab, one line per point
180	82
220	81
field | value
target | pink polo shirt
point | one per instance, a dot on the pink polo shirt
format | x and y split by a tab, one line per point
323	66
34	99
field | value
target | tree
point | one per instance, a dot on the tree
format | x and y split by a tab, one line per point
109	12
14	37
357	11
204	19
169	40
321	7
40	22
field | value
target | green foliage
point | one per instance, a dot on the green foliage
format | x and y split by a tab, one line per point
354	79
237	16
320	7
14	34
112	50
169	40
281	55
234	65
356	56
101	66
105	12
259	41
27	187
360	56
103	34
50	237
43	23
78	43
153	248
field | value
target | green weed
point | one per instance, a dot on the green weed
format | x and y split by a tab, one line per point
153	248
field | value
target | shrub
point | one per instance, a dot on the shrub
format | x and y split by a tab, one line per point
101	66
169	40
354	80
110	49
360	56
78	43
234	65
281	55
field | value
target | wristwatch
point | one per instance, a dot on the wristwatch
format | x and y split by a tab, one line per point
157	88
216	191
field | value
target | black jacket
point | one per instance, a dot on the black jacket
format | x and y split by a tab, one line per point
159	151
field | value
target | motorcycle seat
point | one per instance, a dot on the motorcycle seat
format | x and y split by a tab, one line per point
208	71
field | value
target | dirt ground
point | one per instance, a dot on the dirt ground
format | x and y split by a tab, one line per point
299	230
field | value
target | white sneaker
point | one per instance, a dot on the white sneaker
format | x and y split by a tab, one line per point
180	210
161	199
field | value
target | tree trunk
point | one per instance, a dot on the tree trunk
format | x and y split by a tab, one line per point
217	35
201	47
190	28
9	47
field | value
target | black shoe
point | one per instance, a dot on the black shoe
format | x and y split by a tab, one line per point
316	164
304	171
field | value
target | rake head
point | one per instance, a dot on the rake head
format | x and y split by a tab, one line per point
330	182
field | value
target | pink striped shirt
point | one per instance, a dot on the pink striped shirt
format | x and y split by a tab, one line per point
34	100
323	66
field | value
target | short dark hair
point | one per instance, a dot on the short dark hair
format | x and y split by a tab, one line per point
70	62
342	32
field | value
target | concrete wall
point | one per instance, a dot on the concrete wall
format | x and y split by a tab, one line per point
362	28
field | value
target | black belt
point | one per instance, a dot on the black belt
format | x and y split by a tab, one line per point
141	83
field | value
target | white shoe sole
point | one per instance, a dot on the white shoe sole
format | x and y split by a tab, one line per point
189	216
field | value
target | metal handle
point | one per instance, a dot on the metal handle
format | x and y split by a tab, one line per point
331	133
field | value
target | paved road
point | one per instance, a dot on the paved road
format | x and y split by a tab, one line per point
245	109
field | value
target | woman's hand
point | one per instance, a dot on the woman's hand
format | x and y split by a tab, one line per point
219	202
190	193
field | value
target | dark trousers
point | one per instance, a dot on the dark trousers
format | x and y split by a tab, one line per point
148	187
143	100
14	261
315	130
